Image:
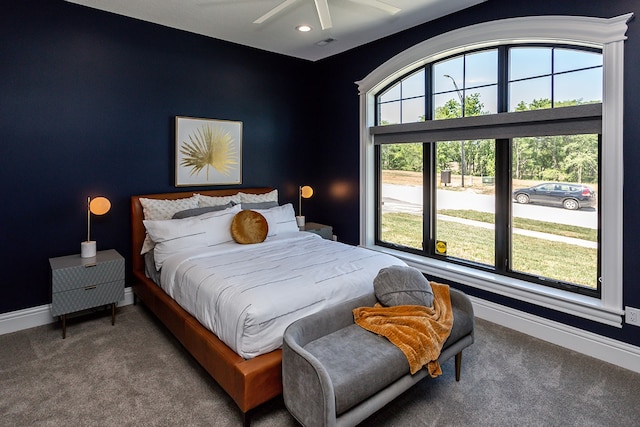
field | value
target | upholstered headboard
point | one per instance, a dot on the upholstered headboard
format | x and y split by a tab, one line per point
138	231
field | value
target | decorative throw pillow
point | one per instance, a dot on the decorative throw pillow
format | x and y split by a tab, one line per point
155	209
402	285
259	205
271	196
217	200
159	209
249	227
199	211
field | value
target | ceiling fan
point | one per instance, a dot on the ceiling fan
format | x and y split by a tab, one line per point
322	6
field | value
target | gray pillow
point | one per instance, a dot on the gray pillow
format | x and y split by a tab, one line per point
402	285
259	205
199	211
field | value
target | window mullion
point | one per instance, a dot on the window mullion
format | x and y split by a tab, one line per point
428	204
553	78
503	79
428	98
378	196
503	205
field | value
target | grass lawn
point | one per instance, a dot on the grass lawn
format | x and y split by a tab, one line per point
531	255
582	233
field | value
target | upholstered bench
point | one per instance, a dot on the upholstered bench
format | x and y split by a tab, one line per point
336	373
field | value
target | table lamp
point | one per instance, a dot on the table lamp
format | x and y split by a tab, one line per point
304	193
96	206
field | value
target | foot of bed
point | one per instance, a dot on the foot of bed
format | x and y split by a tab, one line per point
246	418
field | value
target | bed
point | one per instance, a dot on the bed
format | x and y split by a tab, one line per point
250	372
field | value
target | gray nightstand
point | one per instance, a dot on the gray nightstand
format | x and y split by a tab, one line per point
81	283
325	231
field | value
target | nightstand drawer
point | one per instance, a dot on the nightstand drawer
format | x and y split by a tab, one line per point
87	296
73	272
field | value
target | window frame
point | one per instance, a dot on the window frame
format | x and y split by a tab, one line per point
600	33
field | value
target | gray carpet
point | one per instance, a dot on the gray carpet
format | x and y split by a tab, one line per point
136	374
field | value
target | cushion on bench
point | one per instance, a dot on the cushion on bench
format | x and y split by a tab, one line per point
359	363
463	321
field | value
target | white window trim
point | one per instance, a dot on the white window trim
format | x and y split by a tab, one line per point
605	34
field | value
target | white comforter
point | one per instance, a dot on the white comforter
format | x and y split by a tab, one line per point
248	294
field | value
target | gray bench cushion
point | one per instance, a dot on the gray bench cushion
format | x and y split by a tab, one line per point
359	363
462	325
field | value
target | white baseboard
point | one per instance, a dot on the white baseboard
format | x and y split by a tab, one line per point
603	348
41	315
597	346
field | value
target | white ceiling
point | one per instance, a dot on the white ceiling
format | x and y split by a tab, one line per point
354	22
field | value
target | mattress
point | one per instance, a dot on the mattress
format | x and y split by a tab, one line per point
248	294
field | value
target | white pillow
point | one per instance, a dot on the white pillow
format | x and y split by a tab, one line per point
172	236
219	225
159	209
271	196
280	219
217	200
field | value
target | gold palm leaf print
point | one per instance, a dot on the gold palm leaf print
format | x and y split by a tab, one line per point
209	147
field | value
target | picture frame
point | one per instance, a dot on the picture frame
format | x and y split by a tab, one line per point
207	152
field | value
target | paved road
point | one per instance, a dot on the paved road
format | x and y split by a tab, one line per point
404	198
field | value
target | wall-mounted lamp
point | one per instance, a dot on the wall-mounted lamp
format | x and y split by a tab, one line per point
304	193
96	206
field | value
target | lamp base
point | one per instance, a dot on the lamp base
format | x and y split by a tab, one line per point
88	249
300	221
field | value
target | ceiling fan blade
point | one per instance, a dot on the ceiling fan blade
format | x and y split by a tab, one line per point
323	13
282	6
392	10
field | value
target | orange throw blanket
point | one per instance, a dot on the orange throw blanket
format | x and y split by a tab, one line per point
417	330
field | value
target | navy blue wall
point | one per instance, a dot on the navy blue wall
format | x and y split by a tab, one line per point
340	154
88	99
87	107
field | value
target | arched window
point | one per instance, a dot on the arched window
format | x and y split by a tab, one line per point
498	164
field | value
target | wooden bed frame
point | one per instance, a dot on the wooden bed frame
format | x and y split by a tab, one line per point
250	383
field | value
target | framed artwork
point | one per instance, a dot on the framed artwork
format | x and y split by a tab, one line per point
208	152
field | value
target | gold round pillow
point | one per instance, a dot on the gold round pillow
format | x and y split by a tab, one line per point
249	227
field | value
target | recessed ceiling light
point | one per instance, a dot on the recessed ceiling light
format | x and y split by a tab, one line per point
304	28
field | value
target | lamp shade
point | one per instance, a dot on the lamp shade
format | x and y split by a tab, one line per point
306	192
99	205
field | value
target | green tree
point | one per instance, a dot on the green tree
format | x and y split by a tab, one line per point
453	109
406	157
581	161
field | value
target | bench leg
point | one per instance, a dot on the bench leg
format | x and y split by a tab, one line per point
458	364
